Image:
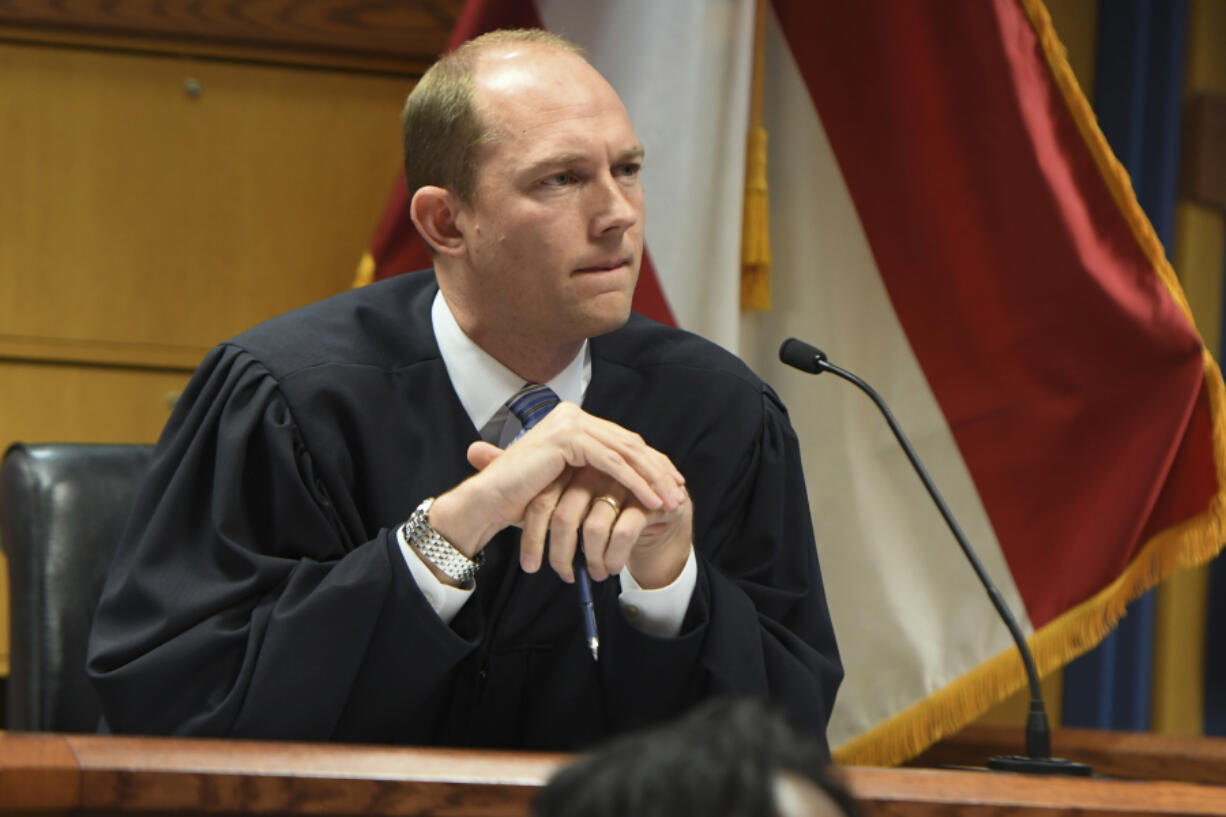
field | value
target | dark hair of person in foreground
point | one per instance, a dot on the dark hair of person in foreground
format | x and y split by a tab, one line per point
730	757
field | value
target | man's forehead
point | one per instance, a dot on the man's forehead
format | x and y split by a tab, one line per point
536	78
514	69
550	107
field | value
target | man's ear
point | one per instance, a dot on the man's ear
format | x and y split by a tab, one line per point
433	210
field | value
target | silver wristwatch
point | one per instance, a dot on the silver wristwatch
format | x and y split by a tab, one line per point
435	549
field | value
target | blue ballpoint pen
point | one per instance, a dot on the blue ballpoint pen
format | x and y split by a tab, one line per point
585	606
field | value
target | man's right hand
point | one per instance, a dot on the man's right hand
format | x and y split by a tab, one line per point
525	483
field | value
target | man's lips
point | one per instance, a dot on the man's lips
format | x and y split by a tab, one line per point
606	266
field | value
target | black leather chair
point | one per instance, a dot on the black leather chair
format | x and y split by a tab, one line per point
62	510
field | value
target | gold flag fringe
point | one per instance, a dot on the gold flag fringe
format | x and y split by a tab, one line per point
755	211
755	228
1187	544
366	271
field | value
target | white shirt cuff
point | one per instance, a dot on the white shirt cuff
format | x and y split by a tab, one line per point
445	599
659	612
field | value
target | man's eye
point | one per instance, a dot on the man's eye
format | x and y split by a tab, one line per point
558	179
628	170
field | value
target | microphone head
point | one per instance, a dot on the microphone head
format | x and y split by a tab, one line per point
803	356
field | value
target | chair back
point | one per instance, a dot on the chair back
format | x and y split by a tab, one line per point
62	510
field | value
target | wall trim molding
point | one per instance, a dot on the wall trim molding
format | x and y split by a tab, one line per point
403	37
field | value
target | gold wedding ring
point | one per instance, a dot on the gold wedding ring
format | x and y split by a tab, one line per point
613	503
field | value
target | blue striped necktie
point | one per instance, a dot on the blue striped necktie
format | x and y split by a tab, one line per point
530	405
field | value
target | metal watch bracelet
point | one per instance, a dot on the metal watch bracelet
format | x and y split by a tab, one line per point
435	549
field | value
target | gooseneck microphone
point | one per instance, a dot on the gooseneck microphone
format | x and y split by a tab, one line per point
1038	759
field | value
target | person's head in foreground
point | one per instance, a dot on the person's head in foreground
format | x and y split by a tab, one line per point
730	757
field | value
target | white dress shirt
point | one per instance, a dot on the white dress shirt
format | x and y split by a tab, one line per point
484	386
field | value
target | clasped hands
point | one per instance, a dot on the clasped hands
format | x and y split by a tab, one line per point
555	479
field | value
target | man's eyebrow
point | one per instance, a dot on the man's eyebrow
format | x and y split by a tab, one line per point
562	159
557	159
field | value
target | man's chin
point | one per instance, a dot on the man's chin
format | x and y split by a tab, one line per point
612	314
610	327
594	313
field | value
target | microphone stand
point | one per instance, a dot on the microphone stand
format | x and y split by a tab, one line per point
1038	759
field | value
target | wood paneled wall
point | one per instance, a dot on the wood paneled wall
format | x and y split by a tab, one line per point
144	222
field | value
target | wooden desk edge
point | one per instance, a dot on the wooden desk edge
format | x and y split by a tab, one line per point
38	772
1131	755
117	773
923	792
93	774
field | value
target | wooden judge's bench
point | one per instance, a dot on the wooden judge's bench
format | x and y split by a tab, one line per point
90	774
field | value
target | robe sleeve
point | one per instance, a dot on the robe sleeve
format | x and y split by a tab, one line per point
239	602
758	622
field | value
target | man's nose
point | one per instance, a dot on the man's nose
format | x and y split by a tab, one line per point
616	207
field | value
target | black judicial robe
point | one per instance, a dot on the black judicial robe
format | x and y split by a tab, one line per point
259	590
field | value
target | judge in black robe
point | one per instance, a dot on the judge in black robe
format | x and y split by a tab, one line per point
259	590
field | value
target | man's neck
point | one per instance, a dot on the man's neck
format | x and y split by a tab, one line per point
534	362
535	359
533	356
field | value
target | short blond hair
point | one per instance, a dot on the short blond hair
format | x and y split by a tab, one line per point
441	126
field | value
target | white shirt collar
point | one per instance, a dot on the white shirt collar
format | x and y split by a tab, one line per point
482	383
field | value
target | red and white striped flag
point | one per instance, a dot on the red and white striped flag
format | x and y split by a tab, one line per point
947	222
